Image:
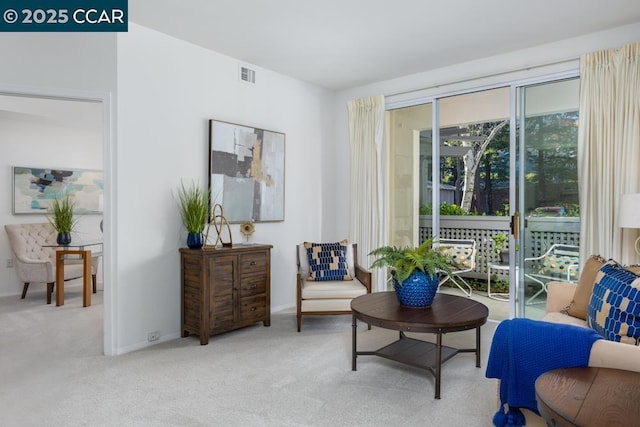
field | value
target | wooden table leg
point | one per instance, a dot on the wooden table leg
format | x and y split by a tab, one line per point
354	327
59	277
86	275
478	347
86	288
438	363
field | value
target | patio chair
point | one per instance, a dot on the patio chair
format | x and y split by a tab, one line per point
463	260
559	263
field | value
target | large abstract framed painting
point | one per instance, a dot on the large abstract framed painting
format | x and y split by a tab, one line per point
35	188
246	172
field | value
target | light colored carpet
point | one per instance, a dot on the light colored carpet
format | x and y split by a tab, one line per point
53	374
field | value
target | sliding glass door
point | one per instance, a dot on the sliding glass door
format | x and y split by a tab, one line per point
477	166
547	190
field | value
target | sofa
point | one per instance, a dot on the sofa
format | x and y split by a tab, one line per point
569	303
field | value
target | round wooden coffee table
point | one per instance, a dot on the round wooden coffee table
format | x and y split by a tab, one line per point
589	397
447	313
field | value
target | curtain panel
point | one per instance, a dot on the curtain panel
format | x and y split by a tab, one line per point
366	125
608	149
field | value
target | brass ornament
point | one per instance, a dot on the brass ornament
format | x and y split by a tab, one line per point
219	222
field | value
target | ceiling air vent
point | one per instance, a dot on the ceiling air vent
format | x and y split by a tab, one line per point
247	75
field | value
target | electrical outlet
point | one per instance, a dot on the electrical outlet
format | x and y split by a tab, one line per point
9	262
153	336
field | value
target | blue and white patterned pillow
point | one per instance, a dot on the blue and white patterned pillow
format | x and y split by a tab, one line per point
614	308
327	261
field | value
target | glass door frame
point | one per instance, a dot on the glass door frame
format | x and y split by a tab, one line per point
517	185
516	257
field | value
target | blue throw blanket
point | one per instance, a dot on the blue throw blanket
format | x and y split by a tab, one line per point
522	350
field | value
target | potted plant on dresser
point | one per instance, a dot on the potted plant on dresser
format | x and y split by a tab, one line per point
62	219
194	210
415	271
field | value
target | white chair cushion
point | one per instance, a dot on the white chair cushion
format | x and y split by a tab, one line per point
332	289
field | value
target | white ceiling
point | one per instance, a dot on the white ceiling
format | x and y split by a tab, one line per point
340	44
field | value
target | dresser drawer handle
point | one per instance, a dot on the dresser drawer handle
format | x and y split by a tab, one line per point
252	263
253	286
254	308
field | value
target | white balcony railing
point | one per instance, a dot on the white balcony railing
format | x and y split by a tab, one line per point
540	234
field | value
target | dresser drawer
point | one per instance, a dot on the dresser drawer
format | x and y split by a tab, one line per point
252	309
253	285
253	263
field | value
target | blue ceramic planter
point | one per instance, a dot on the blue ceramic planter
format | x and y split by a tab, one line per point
63	239
195	240
417	291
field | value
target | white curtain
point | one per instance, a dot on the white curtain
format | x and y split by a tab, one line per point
366	125
608	149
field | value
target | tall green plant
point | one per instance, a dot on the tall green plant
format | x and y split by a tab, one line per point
61	215
194	207
404	261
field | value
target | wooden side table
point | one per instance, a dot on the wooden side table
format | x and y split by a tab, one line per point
589	397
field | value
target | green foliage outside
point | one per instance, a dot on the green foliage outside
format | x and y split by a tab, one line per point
550	165
499	240
445	209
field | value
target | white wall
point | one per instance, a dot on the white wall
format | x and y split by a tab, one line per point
167	91
58	61
44	133
558	57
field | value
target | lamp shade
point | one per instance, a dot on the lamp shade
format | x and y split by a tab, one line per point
629	211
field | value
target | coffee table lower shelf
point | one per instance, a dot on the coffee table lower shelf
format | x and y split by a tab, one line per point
413	352
417	353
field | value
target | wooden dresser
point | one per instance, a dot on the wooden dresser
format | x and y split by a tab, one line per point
224	289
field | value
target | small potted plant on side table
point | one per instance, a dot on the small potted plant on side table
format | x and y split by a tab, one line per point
62	219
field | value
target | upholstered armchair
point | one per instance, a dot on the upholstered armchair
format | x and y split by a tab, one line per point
328	278
35	263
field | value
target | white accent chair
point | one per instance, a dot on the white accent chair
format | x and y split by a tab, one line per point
559	263
463	260
329	297
37	264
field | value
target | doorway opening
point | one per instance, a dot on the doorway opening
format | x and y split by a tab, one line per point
54	132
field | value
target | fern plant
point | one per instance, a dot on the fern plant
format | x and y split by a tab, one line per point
61	215
404	261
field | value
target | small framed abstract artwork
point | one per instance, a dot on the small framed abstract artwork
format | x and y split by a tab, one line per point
246	172
34	189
